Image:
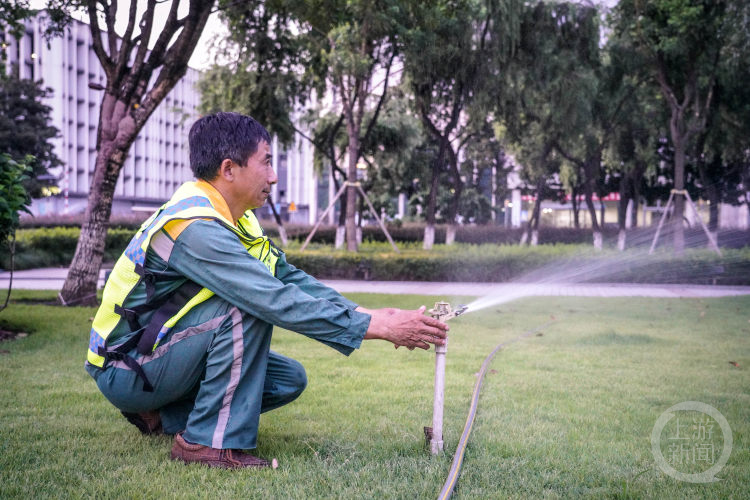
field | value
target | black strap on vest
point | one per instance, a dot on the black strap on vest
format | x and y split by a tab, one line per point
149	280
119	353
131	315
176	301
144	338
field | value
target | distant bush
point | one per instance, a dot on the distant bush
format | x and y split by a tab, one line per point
413	233
501	263
477	235
43	247
132	221
52	247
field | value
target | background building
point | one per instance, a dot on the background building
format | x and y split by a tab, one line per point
158	161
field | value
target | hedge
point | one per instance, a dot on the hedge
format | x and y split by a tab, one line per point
53	247
493	263
49	247
477	235
413	232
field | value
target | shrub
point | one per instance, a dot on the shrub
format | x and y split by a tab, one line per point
52	247
131	222
477	235
502	263
44	247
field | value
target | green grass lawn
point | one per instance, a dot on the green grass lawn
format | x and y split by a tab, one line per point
567	413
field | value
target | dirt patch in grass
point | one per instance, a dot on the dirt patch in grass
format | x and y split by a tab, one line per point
7	333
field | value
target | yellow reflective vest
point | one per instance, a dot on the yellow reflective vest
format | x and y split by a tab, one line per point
192	201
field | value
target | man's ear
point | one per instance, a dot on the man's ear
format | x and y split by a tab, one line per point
225	170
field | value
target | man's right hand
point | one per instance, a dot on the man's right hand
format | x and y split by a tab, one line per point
408	328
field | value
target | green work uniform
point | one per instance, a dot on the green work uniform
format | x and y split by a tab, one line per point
213	374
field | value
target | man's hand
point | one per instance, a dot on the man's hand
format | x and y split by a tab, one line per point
405	327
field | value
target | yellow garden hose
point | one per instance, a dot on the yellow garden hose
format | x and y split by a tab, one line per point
458	457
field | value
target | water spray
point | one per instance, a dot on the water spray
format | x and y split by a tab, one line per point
442	312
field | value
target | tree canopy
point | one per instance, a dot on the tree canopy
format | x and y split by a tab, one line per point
574	94
25	129
682	43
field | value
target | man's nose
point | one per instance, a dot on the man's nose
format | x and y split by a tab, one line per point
272	177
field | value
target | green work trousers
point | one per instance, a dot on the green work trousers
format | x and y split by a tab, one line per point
213	375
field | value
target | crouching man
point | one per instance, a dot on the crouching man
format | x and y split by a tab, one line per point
180	344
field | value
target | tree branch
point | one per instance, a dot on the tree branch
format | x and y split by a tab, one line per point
175	61
127	40
381	100
156	56
661	78
614	119
556	145
110	13
96	37
146	26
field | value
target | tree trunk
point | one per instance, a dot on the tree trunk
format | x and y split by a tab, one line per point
80	285
341	226
279	223
532	227
12	254
621	239
450	234
596	230
712	190
678	226
576	209
713	211
622	213
351	191
360	218
429	229
591	169
636	201
340	237
524	236
458	188
429	237
535	226
679	133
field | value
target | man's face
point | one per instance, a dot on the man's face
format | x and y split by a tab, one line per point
253	181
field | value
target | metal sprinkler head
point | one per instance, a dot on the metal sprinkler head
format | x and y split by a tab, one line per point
442	311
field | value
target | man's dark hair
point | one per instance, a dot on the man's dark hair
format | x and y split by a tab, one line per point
214	138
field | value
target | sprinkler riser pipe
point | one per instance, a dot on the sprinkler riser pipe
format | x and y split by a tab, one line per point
436	443
442	312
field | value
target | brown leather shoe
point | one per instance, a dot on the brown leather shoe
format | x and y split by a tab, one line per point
212	457
149	422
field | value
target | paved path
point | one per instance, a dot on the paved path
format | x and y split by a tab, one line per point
52	279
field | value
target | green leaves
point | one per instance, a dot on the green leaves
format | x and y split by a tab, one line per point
13	196
25	129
